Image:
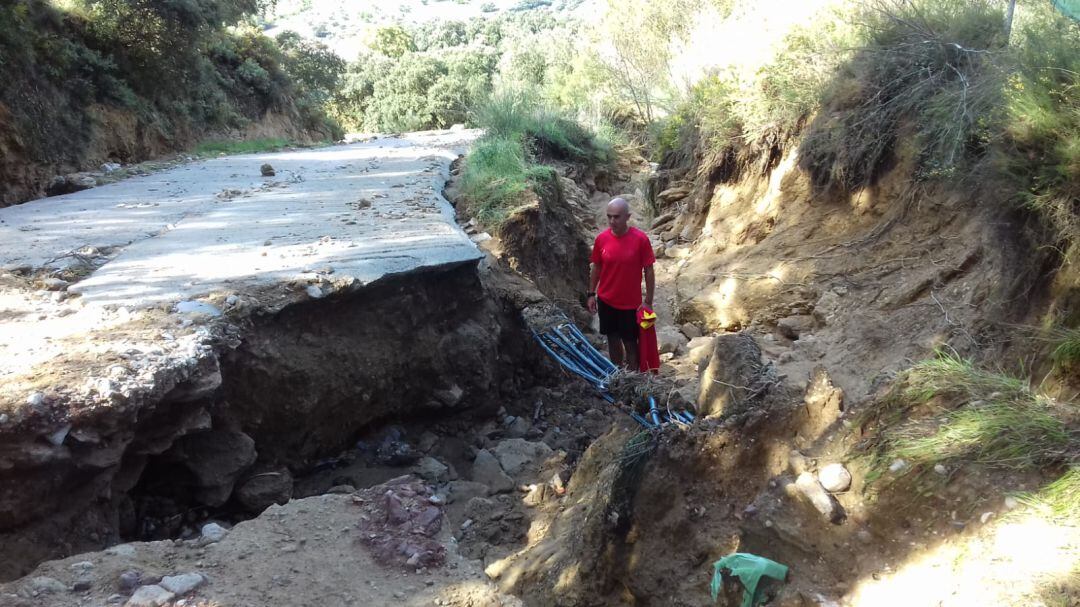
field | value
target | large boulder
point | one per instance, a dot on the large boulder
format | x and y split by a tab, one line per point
488	471
517	454
670	340
260	491
216	459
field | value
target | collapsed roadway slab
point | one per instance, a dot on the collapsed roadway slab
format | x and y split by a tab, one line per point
209	301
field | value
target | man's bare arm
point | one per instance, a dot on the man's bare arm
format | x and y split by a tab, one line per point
594	279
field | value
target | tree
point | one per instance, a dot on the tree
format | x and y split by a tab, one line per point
393	41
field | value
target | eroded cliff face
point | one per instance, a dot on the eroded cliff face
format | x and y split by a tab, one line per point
858	283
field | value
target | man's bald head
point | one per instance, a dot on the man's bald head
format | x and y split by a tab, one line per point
618	216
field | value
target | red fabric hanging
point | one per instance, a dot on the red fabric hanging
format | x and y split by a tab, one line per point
648	351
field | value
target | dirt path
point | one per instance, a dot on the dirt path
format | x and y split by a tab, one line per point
306	553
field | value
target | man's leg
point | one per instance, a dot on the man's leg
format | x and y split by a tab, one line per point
631	348
615	349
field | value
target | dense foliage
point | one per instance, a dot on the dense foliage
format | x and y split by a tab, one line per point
175	66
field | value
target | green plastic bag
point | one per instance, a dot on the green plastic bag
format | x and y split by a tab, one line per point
749	568
1070	8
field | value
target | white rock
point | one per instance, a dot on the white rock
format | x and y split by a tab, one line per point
149	596
35	399
3	418
834	477
82	565
213	532
940	469
1011	502
231	300
197	307
816	495
182	584
897	465
124	550
314	292
47	585
57	438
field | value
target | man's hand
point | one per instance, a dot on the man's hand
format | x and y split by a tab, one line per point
590	303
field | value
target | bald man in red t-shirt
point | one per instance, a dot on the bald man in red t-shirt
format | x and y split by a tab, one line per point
621	256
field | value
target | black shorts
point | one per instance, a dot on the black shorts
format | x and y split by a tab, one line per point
615	322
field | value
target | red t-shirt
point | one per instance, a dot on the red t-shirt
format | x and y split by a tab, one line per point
622	259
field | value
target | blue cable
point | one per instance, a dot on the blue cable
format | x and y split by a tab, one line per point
582	357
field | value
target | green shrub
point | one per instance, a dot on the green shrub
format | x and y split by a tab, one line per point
925	65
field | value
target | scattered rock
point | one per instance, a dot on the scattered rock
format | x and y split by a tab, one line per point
431	470
267	170
677	252
182	584
197	307
700	349
129	580
463	491
56	438
47	585
110	167
792	327
518	428
36	399
898	465
824	503
66	184
662	220
393	450
536	495
121	550
797	462
834	478
515	454
690	330
55	284
213	532
314	292
150	596
670	340
451	396
941	469
216	458
260	491
486	470
673	194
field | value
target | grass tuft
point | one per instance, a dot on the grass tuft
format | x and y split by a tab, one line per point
250	146
1059	501
970	415
502	166
1067	351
